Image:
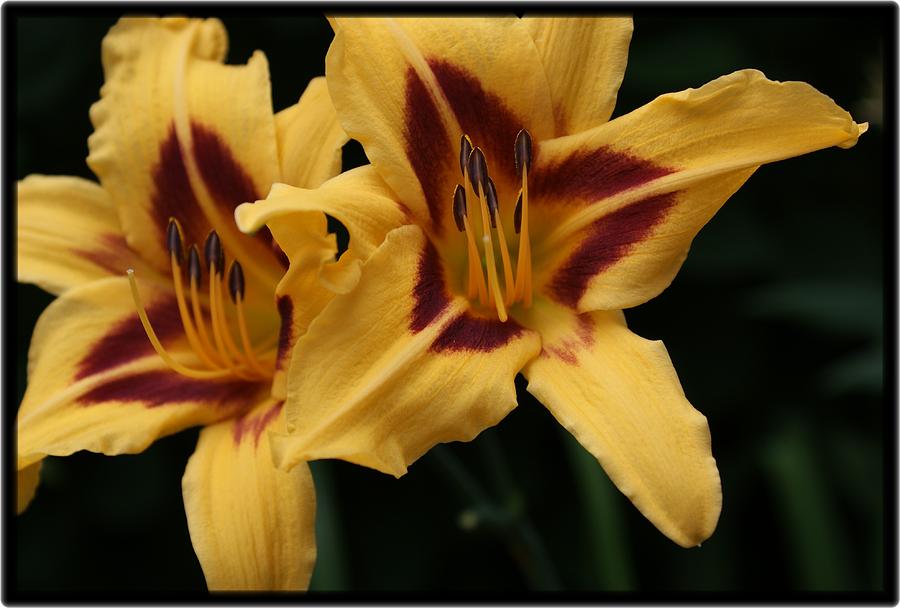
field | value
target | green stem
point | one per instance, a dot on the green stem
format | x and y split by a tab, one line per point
512	524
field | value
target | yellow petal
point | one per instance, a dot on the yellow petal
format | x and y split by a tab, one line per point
179	134
27	483
584	59
618	394
628	197
252	525
407	89
68	233
95	382
408	366
358	198
310	138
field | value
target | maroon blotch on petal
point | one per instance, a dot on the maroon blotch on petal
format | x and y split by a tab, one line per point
428	146
429	293
591	175
255	424
173	196
482	115
162	387
609	239
470	333
286	333
127	341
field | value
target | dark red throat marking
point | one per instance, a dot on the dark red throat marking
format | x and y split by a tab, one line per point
608	240
247	424
470	333
588	176
430	294
126	341
286	333
162	387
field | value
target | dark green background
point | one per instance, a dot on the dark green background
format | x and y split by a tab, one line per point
775	326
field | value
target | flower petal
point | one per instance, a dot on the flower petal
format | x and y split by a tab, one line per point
628	197
407	89
68	233
618	394
26	486
358	198
310	138
252	525
95	383
178	134
584	59
411	366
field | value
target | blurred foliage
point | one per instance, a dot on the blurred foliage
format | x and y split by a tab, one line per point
775	326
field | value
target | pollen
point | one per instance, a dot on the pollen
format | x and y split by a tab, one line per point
220	357
484	281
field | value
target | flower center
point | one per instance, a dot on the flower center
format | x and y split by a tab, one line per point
477	182
221	356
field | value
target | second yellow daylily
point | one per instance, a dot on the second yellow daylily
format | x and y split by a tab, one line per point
502	226
180	139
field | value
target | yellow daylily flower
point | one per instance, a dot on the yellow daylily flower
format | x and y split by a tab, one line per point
180	139
502	226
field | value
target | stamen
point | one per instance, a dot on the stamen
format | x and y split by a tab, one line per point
212	251
523	269
176	252
157	345
195	276
465	149
236	290
523	152
477	166
222	336
173	241
478	172
494	208
476	277
474	256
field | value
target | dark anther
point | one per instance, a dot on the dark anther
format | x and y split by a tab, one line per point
523	151
236	281
465	149
459	207
173	241
490	197
194	270
517	214
478	170
212	251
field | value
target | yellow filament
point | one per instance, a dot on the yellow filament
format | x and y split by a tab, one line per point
245	339
476	276
474	256
201	324
186	317
216	325
507	266
493	281
523	265
223	324
157	345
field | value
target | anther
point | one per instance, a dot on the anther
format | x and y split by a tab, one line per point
236	282
212	251
195	271
465	149
459	207
490	195
523	151
173	241
477	166
517	214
